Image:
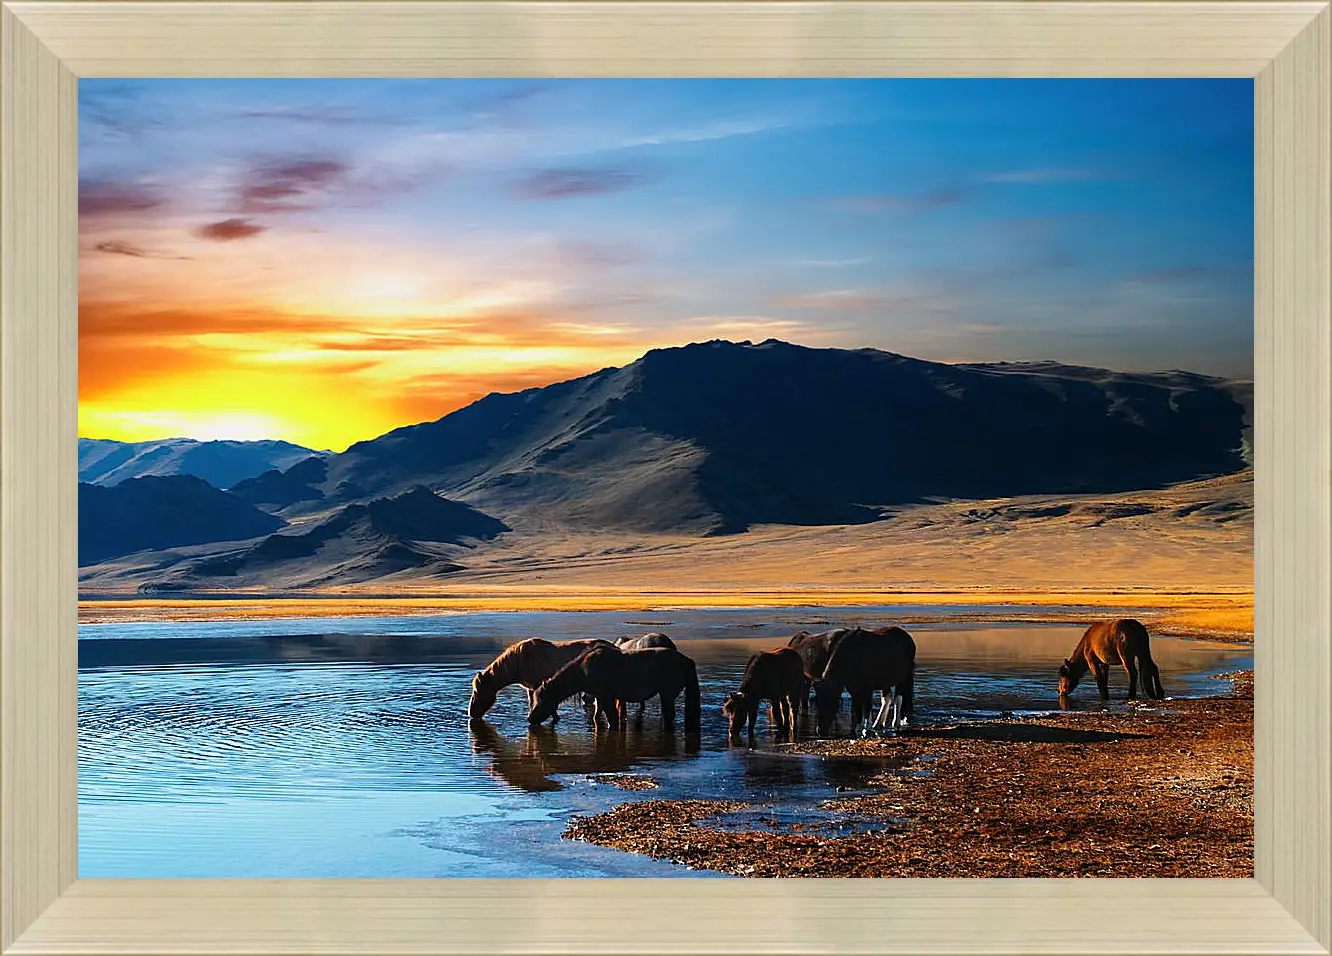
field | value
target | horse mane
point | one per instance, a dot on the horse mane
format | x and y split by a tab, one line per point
508	660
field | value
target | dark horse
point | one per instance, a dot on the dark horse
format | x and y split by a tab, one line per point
864	661
612	676
777	676
528	663
1123	641
814	651
640	643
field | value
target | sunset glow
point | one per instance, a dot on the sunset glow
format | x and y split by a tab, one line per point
323	261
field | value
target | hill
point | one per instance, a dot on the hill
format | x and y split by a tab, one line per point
720	436
359	542
220	463
162	512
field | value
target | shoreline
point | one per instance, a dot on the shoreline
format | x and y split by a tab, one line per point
1221	615
1159	793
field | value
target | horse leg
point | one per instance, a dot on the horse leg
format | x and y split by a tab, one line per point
667	712
1102	674
1154	673
611	708
885	708
1132	669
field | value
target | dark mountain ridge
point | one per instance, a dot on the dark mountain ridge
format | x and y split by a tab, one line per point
355	543
153	513
717	436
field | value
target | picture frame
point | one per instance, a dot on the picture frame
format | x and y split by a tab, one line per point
46	46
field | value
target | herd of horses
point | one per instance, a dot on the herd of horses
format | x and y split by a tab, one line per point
607	676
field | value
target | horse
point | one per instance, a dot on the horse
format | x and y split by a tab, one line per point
612	676
776	675
641	643
814	651
864	661
645	641
528	662
1123	641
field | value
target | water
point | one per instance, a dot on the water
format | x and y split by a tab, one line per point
341	748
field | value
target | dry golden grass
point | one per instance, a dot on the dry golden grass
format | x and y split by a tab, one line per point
1181	556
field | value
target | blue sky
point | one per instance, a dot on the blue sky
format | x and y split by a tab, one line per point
439	239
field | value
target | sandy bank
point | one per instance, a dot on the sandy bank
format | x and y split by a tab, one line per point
1142	794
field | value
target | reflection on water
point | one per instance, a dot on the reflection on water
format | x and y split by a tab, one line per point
212	750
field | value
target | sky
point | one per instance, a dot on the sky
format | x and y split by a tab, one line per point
321	261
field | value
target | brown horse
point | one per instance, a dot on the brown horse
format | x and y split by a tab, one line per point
611	676
1123	641
814	651
528	663
777	676
862	662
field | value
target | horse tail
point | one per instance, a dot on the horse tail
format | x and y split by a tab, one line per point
1156	682
693	715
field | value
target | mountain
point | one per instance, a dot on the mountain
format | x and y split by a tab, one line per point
720	436
152	513
220	463
357	542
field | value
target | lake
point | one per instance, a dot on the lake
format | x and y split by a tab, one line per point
340	747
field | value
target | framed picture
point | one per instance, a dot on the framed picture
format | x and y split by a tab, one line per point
85	230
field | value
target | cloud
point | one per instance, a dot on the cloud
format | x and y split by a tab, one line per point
832	299
119	247
279	187
106	198
836	263
228	230
707	133
899	204
115	109
571	183
317	115
1041	177
1183	274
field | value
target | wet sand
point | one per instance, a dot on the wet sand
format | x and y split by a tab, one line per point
1157	791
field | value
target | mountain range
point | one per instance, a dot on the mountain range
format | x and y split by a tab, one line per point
715	438
103	461
719	436
152	513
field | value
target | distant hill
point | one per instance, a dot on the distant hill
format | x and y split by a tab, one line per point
355	543
162	512
719	436
220	463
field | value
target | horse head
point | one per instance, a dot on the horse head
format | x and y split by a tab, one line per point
543	706
483	697
736	709
1067	678
828	701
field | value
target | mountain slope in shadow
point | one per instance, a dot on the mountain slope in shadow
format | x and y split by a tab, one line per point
358	542
162	512
719	436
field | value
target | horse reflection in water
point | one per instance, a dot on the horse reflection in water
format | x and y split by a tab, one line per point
531	762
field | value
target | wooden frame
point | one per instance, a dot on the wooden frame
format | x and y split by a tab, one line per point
1287	908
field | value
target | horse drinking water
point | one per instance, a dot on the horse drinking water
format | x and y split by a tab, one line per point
1123	641
777	676
612	676
528	663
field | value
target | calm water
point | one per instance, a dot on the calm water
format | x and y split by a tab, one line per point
341	747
